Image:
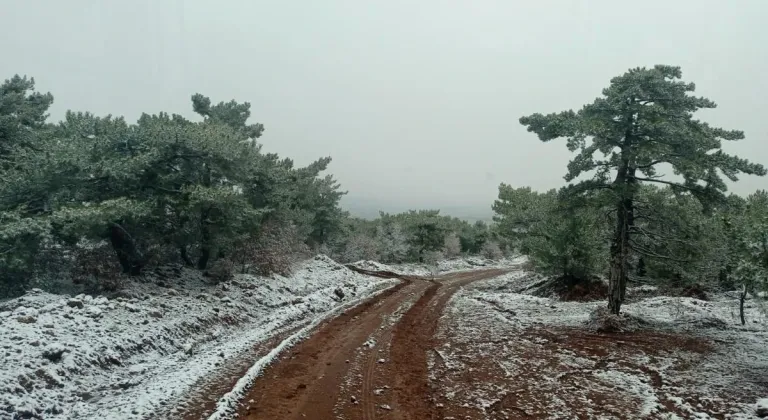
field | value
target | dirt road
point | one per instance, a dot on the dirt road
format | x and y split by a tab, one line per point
368	363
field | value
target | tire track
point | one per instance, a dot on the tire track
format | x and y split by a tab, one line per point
369	404
320	376
414	338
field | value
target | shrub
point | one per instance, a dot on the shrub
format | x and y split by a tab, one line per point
275	250
221	270
96	269
360	247
492	251
452	246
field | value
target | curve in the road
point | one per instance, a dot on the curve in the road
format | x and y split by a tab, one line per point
368	363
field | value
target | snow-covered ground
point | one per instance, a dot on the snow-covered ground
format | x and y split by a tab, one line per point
64	357
527	354
442	267
503	352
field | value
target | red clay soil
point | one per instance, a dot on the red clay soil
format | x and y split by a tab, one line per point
368	363
529	392
572	289
414	338
201	402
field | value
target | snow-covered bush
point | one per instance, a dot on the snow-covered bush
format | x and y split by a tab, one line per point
452	246
96	269
221	270
433	257
491	250
392	243
275	250
360	247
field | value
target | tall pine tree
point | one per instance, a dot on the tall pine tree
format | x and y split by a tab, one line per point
644	119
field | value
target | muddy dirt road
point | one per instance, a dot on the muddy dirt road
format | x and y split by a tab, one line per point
368	363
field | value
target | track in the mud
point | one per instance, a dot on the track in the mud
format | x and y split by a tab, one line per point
368	363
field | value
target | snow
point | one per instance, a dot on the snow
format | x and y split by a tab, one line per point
632	384
542	339
474	263
65	357
442	267
372	265
68	357
227	405
761	407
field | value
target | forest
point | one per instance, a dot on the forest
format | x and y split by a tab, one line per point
89	202
94	201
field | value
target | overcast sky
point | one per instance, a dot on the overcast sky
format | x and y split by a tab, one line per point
416	101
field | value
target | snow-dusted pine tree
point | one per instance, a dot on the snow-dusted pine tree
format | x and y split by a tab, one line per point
451	246
644	119
392	243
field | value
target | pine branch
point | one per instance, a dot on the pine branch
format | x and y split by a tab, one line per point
649	234
648	253
674	184
654	163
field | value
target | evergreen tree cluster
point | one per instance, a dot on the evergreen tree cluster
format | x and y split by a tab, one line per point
416	236
620	216
91	194
95	200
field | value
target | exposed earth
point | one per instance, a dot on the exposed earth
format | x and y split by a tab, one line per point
479	341
423	351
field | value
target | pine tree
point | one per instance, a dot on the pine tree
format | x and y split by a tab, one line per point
751	247
644	119
561	237
451	245
392	241
22	112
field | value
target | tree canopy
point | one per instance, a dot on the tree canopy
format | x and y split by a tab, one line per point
148	190
645	118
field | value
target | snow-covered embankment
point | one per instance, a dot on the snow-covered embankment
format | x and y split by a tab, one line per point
65	357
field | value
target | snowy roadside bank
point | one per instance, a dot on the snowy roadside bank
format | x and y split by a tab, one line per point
691	358
226	407
442	267
85	357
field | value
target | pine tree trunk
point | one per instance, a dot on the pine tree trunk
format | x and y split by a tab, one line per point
617	282
205	232
641	271
205	243
185	256
742	298
620	248
205	255
126	249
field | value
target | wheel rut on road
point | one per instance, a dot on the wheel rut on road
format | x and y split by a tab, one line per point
368	363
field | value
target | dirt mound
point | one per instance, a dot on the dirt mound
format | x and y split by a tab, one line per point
695	291
601	320
384	274
642	292
698	322
573	289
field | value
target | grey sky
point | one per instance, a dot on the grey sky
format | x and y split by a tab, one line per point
417	101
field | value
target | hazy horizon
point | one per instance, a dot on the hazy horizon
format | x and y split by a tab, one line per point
417	103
